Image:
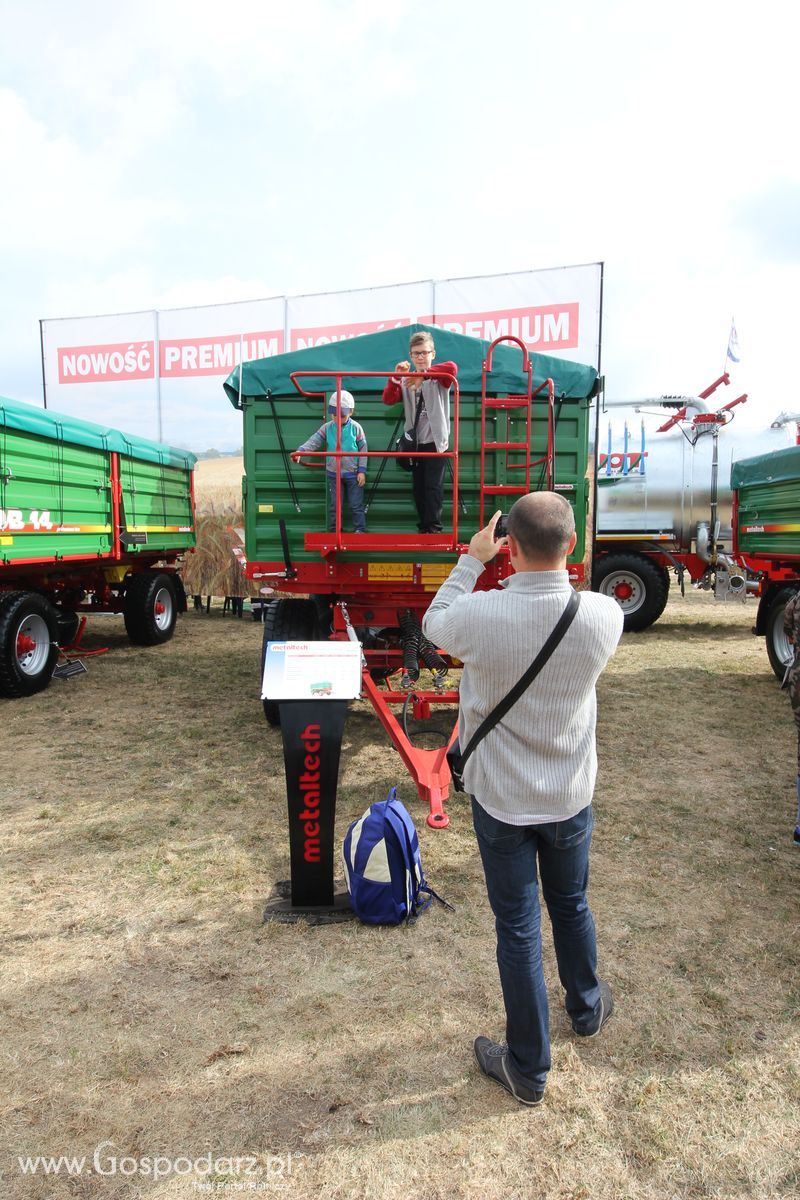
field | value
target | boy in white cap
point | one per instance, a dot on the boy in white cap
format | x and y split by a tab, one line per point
353	466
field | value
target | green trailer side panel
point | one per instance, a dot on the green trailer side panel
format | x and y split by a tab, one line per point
277	419
55	492
156	502
768	490
55	499
276	488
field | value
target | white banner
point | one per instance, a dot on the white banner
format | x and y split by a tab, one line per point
159	374
86	358
553	312
198	349
332	316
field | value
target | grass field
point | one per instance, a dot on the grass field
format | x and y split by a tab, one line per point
149	1012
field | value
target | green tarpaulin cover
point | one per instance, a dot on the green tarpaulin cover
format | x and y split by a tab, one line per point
380	352
780	466
58	427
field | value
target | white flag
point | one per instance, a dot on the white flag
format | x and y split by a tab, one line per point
733	344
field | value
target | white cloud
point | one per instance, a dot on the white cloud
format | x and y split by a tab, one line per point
167	155
62	198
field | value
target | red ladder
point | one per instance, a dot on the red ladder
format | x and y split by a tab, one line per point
510	404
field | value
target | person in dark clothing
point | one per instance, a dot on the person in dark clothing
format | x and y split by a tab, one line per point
424	390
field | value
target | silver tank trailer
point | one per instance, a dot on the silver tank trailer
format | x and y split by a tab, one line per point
665	498
652	484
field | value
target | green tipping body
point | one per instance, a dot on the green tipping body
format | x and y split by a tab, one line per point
269	497
277	420
56	490
768	491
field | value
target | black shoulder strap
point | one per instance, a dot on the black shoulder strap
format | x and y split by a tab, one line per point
419	410
522	684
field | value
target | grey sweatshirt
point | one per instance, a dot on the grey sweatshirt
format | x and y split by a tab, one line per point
539	763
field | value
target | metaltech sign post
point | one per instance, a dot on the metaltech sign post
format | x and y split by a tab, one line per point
312	682
159	374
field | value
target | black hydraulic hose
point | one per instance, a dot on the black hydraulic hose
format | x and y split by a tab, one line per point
382	467
410	633
284	456
430	655
439	733
556	416
461	503
290	571
714	494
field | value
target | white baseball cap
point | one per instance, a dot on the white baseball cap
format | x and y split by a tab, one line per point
348	403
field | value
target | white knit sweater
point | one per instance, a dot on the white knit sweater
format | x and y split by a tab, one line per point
539	763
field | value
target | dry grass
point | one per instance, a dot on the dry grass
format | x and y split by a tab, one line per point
145	1004
212	569
218	484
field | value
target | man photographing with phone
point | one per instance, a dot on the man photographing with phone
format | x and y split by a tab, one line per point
532	777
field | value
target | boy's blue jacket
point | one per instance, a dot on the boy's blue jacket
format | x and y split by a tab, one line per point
352	440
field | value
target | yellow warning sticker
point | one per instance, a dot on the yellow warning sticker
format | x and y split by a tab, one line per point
433	575
6	541
390	571
265	508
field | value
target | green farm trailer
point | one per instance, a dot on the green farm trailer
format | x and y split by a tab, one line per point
517	425
766	532
91	520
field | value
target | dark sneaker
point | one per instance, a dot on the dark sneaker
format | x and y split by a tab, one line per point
493	1061
797	834
606	1009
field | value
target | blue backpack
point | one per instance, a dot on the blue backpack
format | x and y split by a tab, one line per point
383	868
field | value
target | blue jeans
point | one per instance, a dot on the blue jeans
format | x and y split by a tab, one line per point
509	854
355	498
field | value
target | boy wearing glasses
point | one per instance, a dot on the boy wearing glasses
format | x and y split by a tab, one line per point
424	390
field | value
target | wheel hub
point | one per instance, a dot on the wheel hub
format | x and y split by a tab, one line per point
33	644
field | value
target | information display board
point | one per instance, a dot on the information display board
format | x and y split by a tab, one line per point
312	671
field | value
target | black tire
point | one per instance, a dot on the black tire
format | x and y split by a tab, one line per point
150	608
286	621
779	649
28	643
639	586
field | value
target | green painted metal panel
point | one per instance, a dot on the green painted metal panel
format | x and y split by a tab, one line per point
768	490
302	502
56	498
274	412
156	502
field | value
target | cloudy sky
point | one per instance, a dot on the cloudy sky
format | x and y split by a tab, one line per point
172	153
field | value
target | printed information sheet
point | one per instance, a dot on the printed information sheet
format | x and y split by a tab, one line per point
312	670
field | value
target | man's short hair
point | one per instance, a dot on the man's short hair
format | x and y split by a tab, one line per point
420	338
542	523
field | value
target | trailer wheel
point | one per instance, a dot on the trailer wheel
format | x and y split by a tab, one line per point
287	621
28	643
640	587
779	649
150	608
